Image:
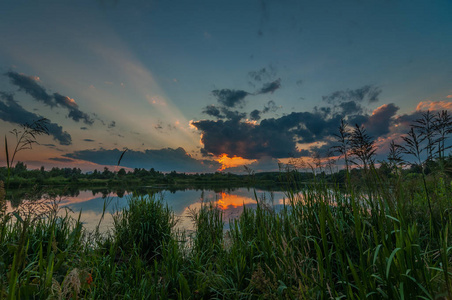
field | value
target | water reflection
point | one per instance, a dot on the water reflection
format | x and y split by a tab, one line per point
182	202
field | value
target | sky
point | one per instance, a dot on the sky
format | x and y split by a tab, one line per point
205	86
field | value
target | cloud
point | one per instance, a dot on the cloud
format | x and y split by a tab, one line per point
213	111
165	160
112	124
243	139
279	137
270	87
255	115
265	164
29	85
350	108
379	123
74	112
434	105
232	114
263	74
367	92
223	112
61	159
230	98
83	128
11	111
88	140
271	106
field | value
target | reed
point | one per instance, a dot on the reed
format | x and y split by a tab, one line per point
388	238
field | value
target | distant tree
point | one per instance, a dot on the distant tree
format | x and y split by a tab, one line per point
122	172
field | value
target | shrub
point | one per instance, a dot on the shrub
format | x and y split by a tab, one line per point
144	226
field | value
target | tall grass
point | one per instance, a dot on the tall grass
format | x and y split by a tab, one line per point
325	243
386	239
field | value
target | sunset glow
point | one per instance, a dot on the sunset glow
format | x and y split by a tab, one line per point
187	99
434	105
230	162
228	201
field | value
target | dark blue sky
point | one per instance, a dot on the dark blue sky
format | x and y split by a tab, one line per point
180	83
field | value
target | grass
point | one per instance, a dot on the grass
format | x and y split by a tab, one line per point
377	237
326	243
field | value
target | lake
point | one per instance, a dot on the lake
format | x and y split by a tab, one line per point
182	202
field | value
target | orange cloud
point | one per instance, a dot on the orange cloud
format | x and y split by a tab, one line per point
230	162
449	96
434	105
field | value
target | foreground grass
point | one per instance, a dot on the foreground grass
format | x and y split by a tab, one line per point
325	243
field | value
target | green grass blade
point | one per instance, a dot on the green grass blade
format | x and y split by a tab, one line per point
391	257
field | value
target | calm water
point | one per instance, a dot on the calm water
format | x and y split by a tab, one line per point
181	202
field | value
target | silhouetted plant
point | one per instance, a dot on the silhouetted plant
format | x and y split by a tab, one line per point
413	146
443	127
343	138
362	147
395	156
426	128
25	139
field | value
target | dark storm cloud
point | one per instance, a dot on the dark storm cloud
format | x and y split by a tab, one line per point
246	140
270	87
164	160
278	137
350	108
381	119
255	115
29	85
306	127
213	111
232	114
61	159
223	112
204	153
324	112
230	98
11	111
367	92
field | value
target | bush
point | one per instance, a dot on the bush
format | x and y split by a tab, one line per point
144	226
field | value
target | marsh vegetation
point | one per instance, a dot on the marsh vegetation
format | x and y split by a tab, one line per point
384	234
